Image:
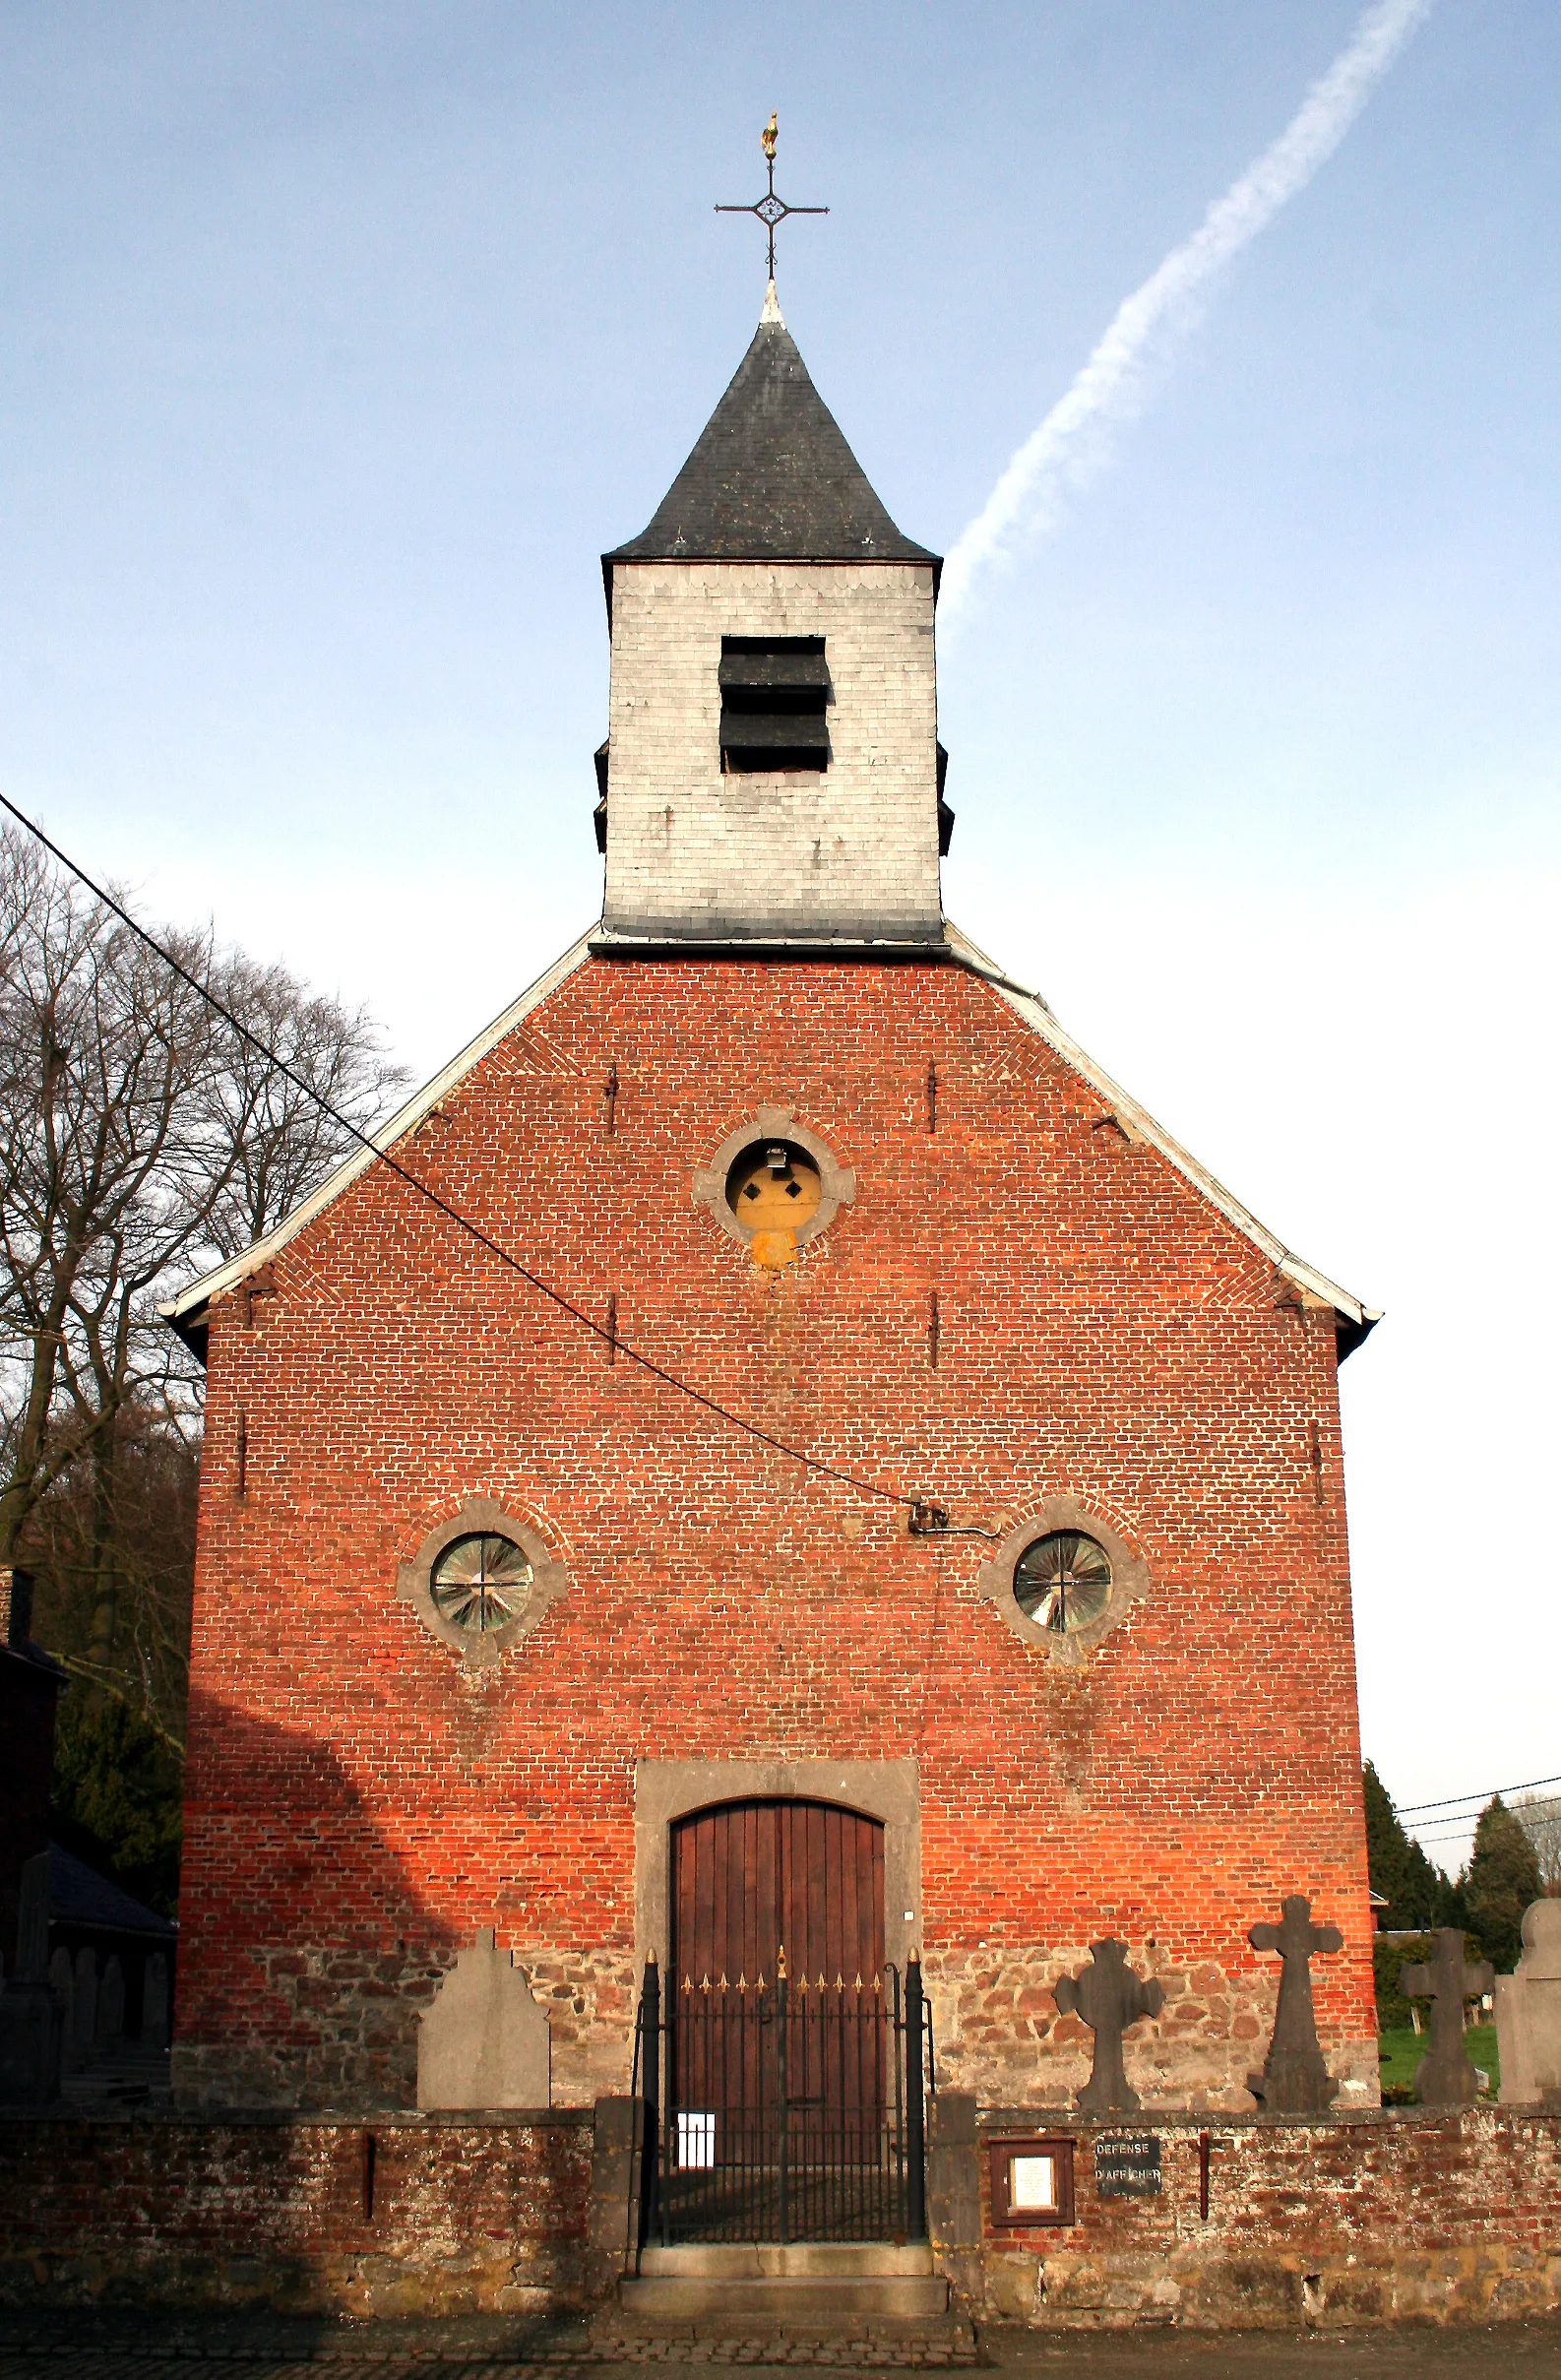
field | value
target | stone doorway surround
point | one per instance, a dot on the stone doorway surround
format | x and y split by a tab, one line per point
669	1789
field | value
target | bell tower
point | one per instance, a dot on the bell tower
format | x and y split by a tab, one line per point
772	772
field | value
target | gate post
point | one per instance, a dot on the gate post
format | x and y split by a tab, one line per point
782	2102
916	2103
651	2095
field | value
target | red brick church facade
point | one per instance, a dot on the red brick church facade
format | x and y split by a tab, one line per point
999	1288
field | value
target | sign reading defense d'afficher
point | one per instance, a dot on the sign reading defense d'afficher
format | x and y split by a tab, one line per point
1128	2165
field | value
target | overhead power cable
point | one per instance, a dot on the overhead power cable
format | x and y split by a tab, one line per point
1476	1800
921	1507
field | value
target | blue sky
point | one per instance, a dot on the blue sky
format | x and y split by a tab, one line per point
337	341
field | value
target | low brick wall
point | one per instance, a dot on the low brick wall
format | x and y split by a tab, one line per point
1372	2215
401	2215
1375	2216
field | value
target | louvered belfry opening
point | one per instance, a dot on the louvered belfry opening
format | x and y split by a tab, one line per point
781	2060
775	694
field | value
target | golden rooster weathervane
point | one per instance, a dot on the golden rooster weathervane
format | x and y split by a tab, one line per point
770	210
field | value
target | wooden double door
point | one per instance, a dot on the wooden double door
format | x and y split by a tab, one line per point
780	2096
753	1880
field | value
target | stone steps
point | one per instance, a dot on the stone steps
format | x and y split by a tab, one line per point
815	2290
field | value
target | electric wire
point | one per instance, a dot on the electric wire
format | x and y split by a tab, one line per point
647	1363
1478	1801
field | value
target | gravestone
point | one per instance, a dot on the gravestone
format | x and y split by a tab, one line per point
155	2003
1109	1996
1295	2079
62	1982
1528	2013
84	2013
30	2014
1444	2077
111	2025
483	2042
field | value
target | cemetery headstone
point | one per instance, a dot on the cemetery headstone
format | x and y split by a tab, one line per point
1109	1996
1444	2077
483	2042
1295	2079
111	2004
62	1982
30	2014
1528	2013
155	2003
83	2015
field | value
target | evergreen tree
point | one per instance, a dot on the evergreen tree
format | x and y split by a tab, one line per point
1416	1893
117	1783
1503	1877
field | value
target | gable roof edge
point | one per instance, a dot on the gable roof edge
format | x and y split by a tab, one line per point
183	1312
1033	1008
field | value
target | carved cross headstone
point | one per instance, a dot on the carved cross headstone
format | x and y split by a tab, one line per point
1444	2077
1109	1996
1295	2076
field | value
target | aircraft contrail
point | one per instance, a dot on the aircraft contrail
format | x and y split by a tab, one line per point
1074	436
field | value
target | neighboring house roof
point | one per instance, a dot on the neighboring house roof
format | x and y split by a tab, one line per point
79	1896
771	479
187	1312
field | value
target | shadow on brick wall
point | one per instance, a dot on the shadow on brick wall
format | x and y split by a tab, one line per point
306	1950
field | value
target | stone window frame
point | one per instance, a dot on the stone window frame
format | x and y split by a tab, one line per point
837	1183
480	1516
1130	1577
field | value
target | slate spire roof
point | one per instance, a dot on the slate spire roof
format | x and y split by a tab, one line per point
771	479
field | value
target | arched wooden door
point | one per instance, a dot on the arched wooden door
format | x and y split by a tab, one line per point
782	2114
752	1879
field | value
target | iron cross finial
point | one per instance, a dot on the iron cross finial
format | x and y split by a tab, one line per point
770	210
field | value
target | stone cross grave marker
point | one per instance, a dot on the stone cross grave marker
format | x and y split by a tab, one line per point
1443	2078
1295	2077
1109	1996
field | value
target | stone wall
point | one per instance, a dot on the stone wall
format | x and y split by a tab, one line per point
851	850
1001	2037
1387	2215
418	2215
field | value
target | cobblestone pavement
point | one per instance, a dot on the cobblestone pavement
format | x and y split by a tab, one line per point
144	2345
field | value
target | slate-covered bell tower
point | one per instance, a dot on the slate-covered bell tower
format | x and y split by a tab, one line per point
772	771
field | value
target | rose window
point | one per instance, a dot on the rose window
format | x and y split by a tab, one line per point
1063	1580
480	1582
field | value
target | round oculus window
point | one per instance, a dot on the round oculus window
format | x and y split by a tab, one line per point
1063	1580
773	1186
480	1582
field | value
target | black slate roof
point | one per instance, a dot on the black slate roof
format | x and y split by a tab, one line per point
79	1896
772	479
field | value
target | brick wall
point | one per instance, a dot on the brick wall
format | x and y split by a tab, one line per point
360	1804
851	849
1421	2214
461	2217
1386	2214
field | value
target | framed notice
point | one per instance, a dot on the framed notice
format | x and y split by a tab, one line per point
1032	2179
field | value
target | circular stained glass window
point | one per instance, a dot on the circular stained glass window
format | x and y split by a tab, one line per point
1063	1580
480	1582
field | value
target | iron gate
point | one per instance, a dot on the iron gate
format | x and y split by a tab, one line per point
784	2110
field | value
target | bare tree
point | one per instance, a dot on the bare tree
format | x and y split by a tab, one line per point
141	1136
1540	1816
